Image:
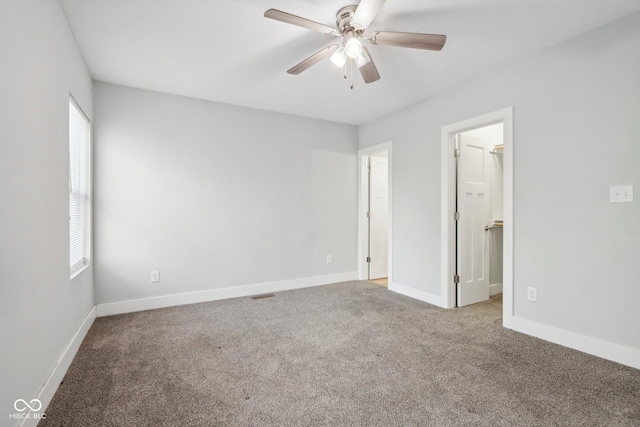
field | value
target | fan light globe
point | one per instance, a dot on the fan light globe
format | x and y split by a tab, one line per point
353	47
363	59
339	57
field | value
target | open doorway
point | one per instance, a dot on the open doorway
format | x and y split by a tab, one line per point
374	214
482	221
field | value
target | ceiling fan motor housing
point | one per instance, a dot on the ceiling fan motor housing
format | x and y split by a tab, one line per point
344	21
344	17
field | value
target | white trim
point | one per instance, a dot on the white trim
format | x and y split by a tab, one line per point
363	235
130	306
447	210
495	289
508	229
596	347
50	386
504	116
79	268
417	294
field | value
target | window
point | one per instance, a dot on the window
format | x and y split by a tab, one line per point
79	188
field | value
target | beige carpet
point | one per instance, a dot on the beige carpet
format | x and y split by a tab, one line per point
346	354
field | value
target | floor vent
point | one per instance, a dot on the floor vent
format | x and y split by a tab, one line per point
263	296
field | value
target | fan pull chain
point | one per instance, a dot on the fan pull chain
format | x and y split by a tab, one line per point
351	69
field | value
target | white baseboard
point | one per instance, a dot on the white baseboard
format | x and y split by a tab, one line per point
594	346
495	289
417	294
131	306
59	370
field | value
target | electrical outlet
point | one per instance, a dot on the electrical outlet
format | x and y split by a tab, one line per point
155	276
329	259
621	194
532	294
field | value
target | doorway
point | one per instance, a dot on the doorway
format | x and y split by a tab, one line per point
481	221
374	214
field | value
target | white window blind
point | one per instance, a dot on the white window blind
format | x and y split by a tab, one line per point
79	139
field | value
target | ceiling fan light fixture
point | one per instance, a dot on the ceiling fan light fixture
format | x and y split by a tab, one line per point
339	57
353	47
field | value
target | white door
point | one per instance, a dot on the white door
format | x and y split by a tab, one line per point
473	206
379	219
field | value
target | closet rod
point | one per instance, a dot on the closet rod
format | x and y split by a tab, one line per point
489	227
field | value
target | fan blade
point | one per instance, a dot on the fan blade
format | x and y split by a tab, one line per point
279	15
369	71
412	40
366	11
312	60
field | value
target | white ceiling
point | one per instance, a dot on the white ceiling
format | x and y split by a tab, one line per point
226	51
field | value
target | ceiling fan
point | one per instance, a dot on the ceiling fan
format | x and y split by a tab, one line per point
352	21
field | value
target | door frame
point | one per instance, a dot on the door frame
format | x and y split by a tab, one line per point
448	194
363	196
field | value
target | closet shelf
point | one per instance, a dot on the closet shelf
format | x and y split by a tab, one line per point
497	149
497	223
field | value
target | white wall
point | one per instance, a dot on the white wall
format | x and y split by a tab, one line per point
216	196
40	308
577	132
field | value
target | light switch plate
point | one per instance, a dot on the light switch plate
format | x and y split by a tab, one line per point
621	194
155	276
